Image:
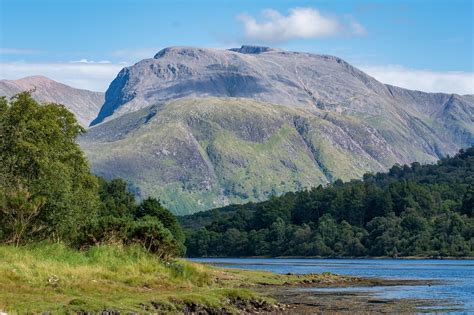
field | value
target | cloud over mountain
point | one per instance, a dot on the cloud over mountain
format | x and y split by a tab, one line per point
424	80
300	23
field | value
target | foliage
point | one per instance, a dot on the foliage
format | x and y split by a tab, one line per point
44	177
152	208
18	211
421	210
121	220
48	193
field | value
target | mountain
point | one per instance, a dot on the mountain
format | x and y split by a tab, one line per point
260	73
83	103
201	128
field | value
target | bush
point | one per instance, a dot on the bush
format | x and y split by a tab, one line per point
121	220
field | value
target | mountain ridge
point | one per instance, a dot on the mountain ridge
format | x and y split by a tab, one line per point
218	73
84	104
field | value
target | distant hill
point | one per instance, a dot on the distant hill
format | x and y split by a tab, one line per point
83	103
201	128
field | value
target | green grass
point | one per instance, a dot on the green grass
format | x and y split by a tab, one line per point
54	278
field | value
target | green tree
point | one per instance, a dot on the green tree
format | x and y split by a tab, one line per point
327	228
277	233
154	237
198	243
116	199
384	235
39	155
18	212
235	242
467	206
152	207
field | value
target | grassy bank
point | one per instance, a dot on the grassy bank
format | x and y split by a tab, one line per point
55	278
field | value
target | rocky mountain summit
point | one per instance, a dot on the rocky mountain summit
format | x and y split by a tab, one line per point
83	103
260	73
269	75
201	128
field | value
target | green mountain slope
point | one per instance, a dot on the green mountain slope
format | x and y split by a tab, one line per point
197	154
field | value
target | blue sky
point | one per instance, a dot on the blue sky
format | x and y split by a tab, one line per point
425	45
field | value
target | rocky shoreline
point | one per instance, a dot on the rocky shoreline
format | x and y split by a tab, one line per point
334	302
313	297
319	293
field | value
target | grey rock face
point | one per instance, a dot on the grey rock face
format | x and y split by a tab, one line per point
292	79
83	103
260	73
247	49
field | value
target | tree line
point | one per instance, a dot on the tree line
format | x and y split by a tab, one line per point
47	192
411	210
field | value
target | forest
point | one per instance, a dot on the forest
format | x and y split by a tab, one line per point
411	210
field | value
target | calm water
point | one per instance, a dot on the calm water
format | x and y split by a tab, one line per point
458	275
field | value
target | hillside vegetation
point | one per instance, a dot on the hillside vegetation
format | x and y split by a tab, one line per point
417	210
83	104
223	151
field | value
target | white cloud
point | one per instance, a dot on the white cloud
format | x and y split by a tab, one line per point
19	51
89	61
423	80
300	23
90	76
